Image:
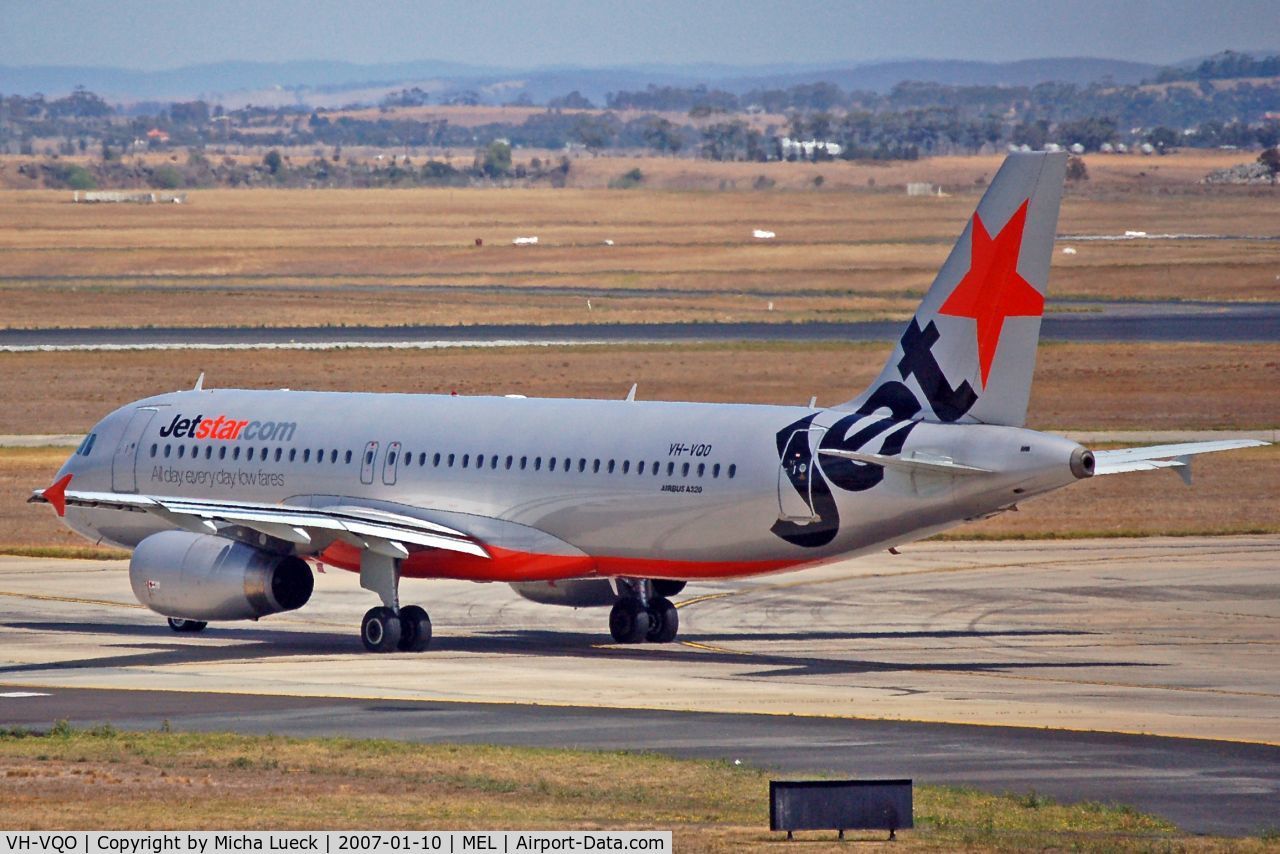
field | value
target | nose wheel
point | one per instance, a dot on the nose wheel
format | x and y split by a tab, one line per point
180	625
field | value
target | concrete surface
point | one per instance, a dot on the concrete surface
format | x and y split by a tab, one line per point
1010	666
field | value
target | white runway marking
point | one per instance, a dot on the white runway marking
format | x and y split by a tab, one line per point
18	695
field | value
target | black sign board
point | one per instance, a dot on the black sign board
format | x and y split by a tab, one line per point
840	805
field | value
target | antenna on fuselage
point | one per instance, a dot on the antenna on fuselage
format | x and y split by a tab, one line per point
631	395
199	382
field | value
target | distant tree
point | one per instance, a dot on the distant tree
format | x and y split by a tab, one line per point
1271	159
166	178
497	159
663	135
573	101
1076	170
273	161
1091	132
1163	138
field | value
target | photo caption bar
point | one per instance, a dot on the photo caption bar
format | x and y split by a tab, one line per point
333	842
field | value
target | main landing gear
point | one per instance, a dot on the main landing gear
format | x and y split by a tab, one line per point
639	615
390	628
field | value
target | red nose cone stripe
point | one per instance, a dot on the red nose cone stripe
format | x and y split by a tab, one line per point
57	495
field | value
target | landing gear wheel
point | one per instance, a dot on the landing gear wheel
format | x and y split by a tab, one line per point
180	625
664	621
628	621
415	629
380	630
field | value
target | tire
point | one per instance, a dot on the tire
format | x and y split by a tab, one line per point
628	621
664	621
415	629
380	630
180	625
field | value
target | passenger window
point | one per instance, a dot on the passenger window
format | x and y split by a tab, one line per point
153	451
435	461
451	461
537	463
391	458
493	463
248	454
523	462
320	455
684	470
222	453
195	451
595	467
610	466
279	454
551	464
333	456
715	470
702	469
422	459
166	452
582	465
671	469
733	469
208	452
640	467
235	453
626	466
509	459
182	449
306	455
465	459
348	458
408	458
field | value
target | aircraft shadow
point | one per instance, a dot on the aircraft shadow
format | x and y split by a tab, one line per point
155	646
941	634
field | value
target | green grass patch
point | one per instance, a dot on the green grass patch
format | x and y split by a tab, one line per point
66	552
102	778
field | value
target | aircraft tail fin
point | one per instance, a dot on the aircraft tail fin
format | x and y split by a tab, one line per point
969	352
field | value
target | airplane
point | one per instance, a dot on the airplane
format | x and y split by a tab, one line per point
226	495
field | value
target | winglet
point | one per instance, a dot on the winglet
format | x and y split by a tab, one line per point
57	494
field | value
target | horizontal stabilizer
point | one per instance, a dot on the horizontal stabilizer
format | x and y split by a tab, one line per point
1164	456
916	462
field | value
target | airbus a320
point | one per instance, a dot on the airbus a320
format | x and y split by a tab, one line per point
225	496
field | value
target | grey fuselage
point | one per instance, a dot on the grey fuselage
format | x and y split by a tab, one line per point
675	490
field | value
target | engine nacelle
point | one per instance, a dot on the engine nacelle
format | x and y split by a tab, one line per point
206	577
576	593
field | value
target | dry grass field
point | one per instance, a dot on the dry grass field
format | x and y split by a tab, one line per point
102	779
264	257
1078	387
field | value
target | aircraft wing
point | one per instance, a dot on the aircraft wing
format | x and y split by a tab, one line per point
1164	456
365	528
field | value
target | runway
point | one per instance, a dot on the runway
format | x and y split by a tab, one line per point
1067	321
1011	666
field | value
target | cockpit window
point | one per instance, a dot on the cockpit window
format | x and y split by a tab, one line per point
87	445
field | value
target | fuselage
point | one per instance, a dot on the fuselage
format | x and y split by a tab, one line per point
562	488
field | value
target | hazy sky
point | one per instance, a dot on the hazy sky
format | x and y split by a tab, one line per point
139	34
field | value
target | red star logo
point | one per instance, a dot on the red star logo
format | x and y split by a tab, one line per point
992	289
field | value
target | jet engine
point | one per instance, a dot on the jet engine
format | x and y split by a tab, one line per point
576	593
206	577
